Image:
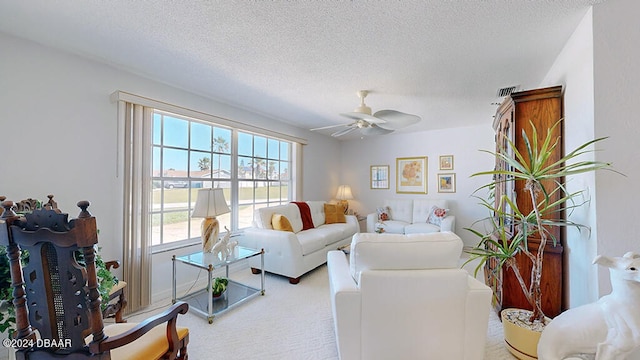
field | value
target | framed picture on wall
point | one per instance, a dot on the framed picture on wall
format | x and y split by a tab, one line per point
446	162
379	176
447	183
411	175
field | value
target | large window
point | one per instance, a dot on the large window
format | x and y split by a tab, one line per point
188	154
263	174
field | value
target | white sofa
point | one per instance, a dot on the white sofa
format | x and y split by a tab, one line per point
410	217
404	297
293	254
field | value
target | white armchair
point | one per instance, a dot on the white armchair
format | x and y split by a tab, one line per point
404	297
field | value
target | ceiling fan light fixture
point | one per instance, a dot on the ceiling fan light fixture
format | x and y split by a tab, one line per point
363	109
362	124
380	123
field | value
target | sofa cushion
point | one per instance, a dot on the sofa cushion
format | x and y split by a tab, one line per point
343	231
393	226
333	233
315	239
422	227
280	222
291	211
334	213
400	209
371	251
422	209
317	212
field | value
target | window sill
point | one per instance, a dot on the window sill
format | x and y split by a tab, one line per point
158	249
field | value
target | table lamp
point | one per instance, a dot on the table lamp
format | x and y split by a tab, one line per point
209	204
344	194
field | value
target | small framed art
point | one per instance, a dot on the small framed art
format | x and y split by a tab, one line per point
411	175
446	162
447	183
379	176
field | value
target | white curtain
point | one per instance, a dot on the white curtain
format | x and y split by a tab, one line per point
136	220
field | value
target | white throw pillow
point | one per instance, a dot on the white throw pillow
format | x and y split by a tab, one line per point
436	215
383	213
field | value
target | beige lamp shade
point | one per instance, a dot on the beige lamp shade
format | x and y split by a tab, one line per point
209	204
344	194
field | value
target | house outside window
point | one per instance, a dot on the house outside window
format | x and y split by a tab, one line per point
189	154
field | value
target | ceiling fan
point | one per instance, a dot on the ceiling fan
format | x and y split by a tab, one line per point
380	123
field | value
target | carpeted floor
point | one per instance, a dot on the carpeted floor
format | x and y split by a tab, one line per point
288	322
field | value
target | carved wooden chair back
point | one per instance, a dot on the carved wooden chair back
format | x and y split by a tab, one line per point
56	297
54	294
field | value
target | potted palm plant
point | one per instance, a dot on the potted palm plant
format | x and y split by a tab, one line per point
509	228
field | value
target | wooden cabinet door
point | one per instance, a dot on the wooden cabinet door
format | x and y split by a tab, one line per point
541	108
520	111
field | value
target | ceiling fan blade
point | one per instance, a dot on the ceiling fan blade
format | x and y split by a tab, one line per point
394	120
329	127
363	116
375	130
344	131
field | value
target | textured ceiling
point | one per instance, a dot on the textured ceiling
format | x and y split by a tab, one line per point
303	61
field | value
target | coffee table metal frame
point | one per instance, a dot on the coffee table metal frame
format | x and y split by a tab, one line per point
201	301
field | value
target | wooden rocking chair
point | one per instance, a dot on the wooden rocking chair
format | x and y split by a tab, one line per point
57	301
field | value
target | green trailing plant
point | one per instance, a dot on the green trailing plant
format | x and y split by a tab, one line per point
510	228
219	286
106	279
7	311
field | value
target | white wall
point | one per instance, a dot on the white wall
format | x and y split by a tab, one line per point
60	136
574	70
598	67
463	143
616	37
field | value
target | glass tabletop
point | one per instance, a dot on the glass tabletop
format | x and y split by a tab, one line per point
203	260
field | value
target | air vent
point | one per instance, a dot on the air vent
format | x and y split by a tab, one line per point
507	91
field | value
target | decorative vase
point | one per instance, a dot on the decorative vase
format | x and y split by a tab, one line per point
210	229
520	336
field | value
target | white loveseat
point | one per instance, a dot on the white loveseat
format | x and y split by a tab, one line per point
404	297
410	217
294	253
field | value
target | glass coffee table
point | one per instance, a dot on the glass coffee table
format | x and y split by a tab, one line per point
202	301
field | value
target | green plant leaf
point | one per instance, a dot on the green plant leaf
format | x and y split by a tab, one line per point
507	229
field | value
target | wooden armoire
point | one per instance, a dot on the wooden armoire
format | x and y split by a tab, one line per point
542	108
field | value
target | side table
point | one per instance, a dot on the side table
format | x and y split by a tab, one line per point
202	301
